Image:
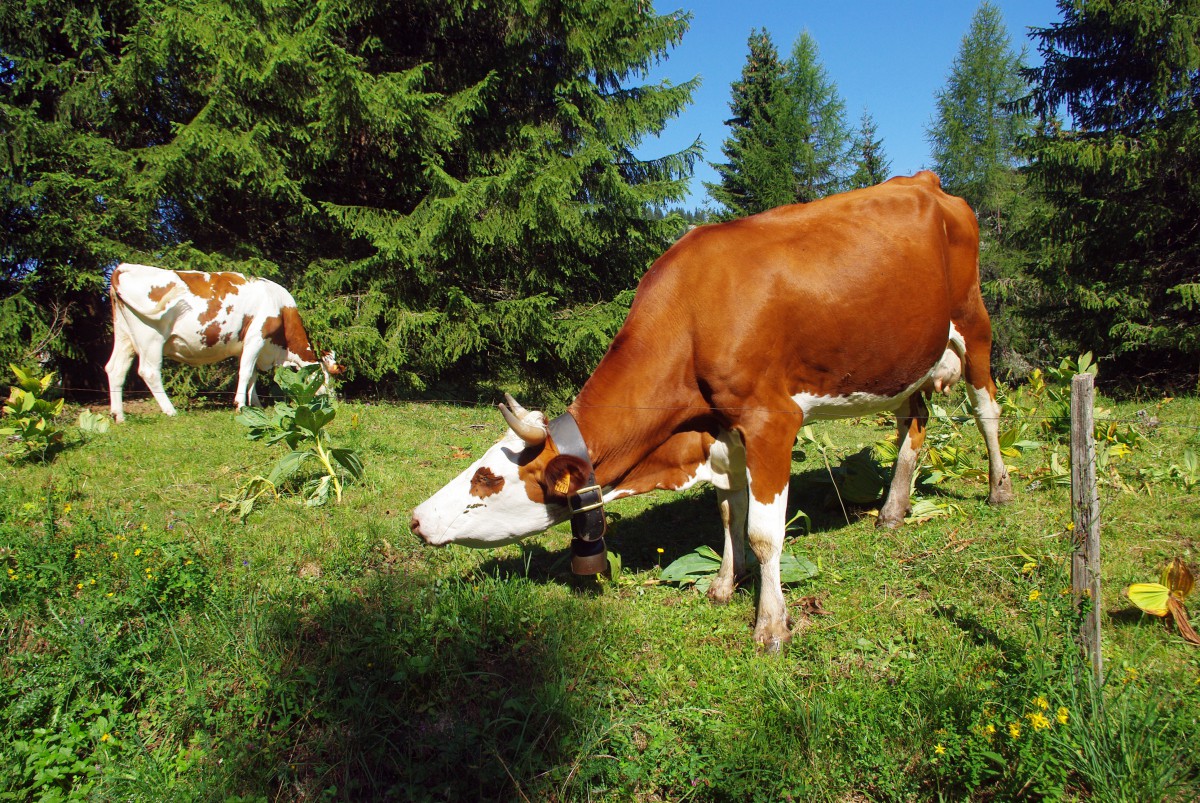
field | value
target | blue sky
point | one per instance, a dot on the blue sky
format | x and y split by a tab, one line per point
887	56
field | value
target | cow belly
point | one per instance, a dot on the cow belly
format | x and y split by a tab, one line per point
187	351
851	405
856	404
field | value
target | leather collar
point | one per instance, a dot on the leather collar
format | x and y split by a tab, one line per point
587	504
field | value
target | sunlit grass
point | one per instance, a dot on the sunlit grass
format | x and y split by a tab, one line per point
324	651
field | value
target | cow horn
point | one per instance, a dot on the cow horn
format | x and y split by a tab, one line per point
532	434
516	408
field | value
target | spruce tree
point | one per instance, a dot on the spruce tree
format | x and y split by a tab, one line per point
871	165
819	135
449	188
788	140
976	131
758	174
1119	274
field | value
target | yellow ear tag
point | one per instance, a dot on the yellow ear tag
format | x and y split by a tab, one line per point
563	485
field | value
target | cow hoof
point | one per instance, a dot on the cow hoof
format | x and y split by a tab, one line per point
721	591
888	522
773	646
1001	496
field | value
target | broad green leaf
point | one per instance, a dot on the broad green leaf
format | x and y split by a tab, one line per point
347	459
692	565
796	568
1150	597
317	491
287	466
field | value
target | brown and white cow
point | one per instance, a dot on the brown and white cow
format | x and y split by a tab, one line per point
200	318
738	335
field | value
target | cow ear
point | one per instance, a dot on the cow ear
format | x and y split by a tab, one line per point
563	477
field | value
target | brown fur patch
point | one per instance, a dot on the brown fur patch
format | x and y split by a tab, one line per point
272	330
485	483
157	294
211	286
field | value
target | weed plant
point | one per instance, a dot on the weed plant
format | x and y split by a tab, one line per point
154	648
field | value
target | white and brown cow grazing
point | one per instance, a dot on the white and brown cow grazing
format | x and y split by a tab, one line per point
200	318
738	335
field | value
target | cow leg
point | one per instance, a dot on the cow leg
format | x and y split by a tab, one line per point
150	370
768	469
977	368
117	369
911	419
247	371
732	506
987	418
727	461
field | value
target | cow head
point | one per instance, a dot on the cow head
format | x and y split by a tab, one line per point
519	487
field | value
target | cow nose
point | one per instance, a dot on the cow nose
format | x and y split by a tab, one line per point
415	526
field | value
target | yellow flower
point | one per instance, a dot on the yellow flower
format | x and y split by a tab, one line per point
1034	594
79	585
187	562
1038	720
147	570
92	582
67	508
114	555
989	730
1014	730
104	738
1041	703
941	751
137	551
109	594
1028	567
1063	715
1130	674
144	528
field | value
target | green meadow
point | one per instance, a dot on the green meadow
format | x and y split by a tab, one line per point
155	647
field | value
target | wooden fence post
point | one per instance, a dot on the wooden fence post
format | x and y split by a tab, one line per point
1085	559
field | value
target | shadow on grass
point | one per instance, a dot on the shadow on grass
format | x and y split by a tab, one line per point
402	690
676	524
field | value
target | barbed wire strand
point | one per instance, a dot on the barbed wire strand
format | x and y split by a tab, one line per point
1159	422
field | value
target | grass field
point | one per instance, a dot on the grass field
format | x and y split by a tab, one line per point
155	648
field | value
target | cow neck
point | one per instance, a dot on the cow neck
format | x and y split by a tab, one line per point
587	503
624	418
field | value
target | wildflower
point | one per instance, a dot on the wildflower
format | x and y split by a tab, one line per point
939	750
1041	703
105	737
67	508
79	585
1038	720
187	562
144	528
659	550
1014	730
1063	715
1034	594
989	730
77	554
109	594
137	551
92	582
1028	567
148	570
1130	674
114	555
